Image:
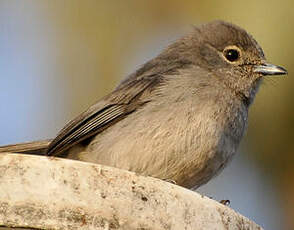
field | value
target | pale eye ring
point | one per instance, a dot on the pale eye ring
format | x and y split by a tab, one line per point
232	54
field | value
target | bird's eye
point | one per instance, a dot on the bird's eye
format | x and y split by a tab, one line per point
232	54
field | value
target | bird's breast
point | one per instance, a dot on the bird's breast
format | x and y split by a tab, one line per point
182	142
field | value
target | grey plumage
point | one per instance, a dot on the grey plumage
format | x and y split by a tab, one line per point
181	116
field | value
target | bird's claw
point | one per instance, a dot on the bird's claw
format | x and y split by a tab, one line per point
170	181
225	202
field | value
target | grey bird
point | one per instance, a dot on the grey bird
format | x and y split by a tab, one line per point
181	116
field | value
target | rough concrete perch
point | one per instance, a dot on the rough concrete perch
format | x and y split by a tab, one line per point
49	193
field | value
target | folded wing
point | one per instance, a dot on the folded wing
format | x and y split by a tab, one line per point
110	109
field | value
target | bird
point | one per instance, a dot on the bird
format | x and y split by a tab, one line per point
180	116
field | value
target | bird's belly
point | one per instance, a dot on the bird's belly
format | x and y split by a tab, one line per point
190	152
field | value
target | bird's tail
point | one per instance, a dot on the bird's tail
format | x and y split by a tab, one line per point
35	147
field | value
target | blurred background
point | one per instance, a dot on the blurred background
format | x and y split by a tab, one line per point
59	57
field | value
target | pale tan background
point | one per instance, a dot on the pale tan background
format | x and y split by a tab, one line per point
57	57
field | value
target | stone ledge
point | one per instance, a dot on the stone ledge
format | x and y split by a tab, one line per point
50	193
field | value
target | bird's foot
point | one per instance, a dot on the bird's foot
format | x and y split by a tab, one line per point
170	181
225	202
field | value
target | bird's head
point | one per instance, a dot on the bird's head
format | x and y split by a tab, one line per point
228	52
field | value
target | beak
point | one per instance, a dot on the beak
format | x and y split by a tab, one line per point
270	69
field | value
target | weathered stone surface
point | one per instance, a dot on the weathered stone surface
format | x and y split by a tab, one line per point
50	193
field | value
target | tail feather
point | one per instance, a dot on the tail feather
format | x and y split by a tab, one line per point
35	147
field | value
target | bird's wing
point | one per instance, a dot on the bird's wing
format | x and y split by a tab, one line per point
110	109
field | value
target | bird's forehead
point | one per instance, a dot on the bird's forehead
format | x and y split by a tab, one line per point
221	34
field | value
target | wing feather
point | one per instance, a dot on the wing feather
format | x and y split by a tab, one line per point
112	108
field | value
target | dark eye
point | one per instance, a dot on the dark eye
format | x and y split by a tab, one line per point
232	54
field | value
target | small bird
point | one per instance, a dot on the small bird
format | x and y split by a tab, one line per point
180	117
